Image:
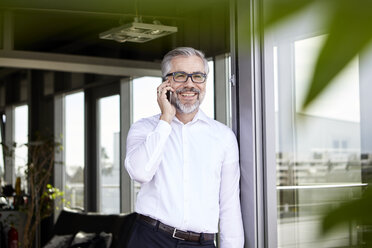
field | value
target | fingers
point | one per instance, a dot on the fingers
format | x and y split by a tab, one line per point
163	88
168	111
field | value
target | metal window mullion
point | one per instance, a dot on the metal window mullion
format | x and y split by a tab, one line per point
269	160
244	93
9	139
266	122
126	185
59	131
255	128
269	156
222	112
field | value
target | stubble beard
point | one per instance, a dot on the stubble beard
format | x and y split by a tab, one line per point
187	108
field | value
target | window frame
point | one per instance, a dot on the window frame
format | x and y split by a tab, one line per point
253	122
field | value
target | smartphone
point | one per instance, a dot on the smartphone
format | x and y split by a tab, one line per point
169	95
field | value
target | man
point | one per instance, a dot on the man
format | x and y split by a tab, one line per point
187	164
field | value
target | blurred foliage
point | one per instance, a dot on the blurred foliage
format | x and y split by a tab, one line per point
355	211
49	198
39	173
349	29
43	198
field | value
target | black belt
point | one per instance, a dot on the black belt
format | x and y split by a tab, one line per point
175	233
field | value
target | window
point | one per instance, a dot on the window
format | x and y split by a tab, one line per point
74	149
109	153
144	97
318	149
144	105
21	139
208	104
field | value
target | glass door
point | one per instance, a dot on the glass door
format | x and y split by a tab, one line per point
319	150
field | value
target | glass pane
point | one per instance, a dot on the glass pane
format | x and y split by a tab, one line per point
74	150
208	104
109	153
143	88
21	138
144	97
319	149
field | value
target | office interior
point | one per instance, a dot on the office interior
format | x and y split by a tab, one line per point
59	78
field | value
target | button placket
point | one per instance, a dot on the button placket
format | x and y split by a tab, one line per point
186	175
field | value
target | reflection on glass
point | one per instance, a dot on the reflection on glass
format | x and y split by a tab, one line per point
318	149
21	138
109	153
74	150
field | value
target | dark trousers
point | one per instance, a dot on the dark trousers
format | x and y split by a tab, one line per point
146	236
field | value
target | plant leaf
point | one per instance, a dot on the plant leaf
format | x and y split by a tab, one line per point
356	210
277	10
350	31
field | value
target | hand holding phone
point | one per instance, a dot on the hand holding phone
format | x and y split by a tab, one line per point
169	96
168	111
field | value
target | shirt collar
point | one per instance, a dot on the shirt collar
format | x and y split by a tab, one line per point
200	115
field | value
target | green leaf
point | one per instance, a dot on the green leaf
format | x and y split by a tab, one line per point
350	31
358	210
277	10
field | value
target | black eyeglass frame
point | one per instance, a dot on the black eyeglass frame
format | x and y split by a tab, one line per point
189	75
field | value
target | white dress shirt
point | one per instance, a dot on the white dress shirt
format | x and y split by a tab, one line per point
189	175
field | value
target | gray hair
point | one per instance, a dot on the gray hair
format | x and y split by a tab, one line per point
182	51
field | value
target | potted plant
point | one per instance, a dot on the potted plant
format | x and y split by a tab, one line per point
41	195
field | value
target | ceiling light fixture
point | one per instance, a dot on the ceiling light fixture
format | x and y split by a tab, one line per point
137	31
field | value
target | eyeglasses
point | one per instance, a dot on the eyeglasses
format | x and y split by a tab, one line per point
182	77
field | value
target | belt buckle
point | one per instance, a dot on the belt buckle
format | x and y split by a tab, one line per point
174	235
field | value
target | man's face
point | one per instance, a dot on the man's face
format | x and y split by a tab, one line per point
188	95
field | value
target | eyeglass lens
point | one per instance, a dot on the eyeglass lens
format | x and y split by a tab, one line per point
183	76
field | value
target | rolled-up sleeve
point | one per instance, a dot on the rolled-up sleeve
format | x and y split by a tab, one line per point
231	225
145	145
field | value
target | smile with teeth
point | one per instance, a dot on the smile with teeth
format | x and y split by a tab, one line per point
188	94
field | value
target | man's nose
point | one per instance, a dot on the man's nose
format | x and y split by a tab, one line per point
189	82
